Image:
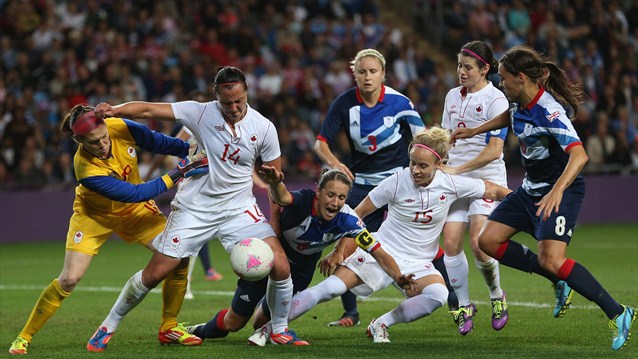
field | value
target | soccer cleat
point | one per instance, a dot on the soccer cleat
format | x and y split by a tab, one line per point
378	332
289	337
346	320
499	312
259	337
211	274
464	318
179	335
19	346
621	325
564	294
99	340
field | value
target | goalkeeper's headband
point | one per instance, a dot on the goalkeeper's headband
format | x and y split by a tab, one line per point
86	123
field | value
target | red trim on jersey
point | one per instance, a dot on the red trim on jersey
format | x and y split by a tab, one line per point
500	252
463	91
566	269
321	138
541	90
572	145
381	95
220	319
375	247
440	253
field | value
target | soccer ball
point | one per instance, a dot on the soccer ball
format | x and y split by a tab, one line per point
251	259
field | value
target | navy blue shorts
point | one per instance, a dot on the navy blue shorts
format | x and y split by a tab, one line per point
357	193
518	210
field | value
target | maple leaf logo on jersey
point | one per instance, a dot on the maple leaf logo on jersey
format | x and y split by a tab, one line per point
131	152
253	139
175	241
442	199
553	116
77	237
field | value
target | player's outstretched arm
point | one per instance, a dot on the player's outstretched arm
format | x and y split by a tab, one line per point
277	189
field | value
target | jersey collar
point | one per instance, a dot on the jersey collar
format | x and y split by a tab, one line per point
541	91
381	95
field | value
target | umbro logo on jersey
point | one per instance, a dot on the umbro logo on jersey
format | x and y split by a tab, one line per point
354	124
409	200
219	128
245	298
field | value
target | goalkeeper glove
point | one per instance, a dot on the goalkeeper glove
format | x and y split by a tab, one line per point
192	165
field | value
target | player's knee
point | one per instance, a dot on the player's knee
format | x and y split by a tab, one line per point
234	322
437	292
68	281
550	263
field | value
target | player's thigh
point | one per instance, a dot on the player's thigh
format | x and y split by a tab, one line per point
245	223
561	224
247	296
86	235
143	224
186	232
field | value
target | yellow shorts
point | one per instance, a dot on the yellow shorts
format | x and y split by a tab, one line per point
88	231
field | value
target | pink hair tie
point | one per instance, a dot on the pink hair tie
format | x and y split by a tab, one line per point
475	55
429	149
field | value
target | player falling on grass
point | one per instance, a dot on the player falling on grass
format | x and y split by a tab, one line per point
469	105
220	206
112	199
378	122
310	220
418	199
547	204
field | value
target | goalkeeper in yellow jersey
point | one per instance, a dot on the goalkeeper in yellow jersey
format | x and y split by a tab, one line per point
111	199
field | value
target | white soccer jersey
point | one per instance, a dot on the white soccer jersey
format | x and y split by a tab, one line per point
470	112
231	159
416	215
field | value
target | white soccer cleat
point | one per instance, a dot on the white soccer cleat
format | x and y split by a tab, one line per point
259	337
378	332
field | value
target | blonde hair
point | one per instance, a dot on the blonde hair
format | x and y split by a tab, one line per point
435	138
367	53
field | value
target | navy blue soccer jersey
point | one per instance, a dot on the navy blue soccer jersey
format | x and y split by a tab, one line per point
304	234
377	136
545	134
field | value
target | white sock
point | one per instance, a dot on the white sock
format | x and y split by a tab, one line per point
131	295
458	271
329	288
432	297
191	267
492	276
279	299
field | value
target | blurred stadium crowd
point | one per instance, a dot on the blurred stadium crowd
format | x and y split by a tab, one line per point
55	54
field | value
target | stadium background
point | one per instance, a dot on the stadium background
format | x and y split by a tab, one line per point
55	54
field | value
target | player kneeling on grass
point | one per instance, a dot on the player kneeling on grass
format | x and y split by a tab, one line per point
111	199
418	199
310	221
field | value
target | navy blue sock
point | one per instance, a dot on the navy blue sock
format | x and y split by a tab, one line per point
584	283
452	300
349	301
214	327
204	256
516	255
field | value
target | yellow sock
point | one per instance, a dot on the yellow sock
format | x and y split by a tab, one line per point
48	303
173	291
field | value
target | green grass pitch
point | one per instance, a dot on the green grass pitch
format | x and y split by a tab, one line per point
610	252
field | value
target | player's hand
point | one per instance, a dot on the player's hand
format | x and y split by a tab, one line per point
461	132
189	166
343	168
104	109
271	175
407	282
328	264
549	203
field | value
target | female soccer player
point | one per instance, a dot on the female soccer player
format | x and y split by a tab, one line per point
219	206
418	199
310	220
547	204
378	122
111	198
474	102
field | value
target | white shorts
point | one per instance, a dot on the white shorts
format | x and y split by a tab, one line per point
463	208
375	278
186	231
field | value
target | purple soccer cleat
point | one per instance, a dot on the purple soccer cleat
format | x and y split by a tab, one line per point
499	312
